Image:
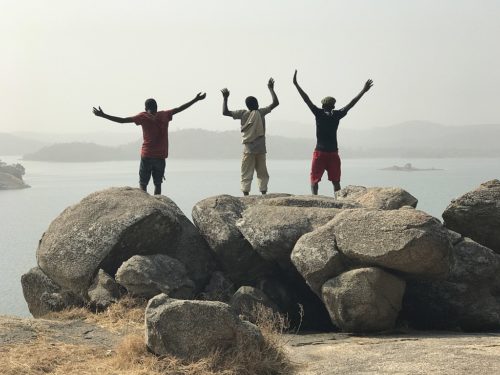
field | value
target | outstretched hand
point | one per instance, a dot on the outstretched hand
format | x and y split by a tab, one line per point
270	84
98	112
201	96
295	77
368	85
225	93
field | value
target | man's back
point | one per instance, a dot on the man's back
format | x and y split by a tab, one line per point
155	133
327	123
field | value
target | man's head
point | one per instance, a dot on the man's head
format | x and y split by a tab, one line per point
252	103
151	106
328	103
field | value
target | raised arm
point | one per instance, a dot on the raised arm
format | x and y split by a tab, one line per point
275	102
198	97
225	96
303	94
366	87
122	120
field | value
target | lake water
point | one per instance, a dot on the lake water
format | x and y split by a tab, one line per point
26	214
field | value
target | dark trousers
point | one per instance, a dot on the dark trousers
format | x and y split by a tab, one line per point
151	167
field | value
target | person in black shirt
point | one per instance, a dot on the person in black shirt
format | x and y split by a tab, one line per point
325	156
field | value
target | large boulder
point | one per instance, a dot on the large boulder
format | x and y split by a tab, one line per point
191	249
384	198
452	305
216	219
43	295
316	257
195	329
273	230
108	227
149	275
469	299
473	263
409	241
476	215
364	299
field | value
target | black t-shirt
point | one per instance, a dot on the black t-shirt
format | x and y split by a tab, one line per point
327	124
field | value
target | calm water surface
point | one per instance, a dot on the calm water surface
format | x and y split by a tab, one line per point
26	214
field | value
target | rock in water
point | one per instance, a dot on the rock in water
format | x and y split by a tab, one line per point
43	295
384	198
477	215
195	329
149	275
364	300
409	241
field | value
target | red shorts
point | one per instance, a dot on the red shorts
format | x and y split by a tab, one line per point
329	161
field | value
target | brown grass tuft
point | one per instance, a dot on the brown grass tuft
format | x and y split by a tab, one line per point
131	356
127	314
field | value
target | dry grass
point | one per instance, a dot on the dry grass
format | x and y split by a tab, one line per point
126	315
131	356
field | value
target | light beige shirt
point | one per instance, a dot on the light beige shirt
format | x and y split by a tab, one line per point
253	129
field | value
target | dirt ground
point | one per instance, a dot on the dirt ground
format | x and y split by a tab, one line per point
326	353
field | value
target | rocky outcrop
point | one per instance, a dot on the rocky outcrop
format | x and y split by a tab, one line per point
149	275
409	241
195	329
383	198
11	177
476	215
364	300
43	295
105	229
318	260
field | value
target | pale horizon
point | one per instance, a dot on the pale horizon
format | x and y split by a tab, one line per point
435	61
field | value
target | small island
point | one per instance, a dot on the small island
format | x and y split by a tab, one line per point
11	176
408	168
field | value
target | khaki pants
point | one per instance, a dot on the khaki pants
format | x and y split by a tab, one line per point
249	163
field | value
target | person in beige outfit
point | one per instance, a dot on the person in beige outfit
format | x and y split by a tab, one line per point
253	134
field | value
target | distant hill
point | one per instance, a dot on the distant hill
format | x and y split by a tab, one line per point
421	139
415	139
78	152
15	145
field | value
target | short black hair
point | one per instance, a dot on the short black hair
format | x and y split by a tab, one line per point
150	104
252	103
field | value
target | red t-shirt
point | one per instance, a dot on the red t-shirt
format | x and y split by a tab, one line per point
154	133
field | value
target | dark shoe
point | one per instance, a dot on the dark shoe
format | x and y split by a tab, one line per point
314	189
263	192
245	193
157	189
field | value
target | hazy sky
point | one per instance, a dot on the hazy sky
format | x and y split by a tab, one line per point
436	60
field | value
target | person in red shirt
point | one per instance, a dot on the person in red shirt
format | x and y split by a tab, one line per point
154	149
